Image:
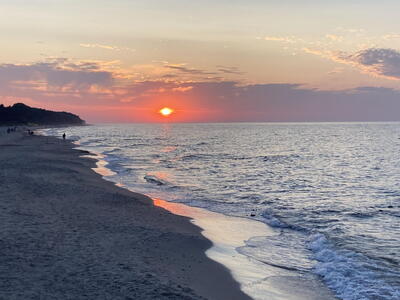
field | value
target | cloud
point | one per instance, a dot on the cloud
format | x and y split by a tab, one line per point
85	87
391	36
336	70
230	70
217	101
334	37
381	62
192	71
342	33
56	74
57	79
182	89
325	54
183	72
286	39
169	76
232	101
107	47
351	30
378	61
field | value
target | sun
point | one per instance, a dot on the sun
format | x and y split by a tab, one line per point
166	111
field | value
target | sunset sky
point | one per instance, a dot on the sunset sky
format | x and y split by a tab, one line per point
236	60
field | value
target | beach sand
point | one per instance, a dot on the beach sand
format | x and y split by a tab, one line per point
66	233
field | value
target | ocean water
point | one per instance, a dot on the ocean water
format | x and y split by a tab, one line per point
330	190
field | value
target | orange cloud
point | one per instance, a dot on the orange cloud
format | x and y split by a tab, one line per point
182	89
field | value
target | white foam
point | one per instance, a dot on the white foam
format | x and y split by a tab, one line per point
260	281
100	165
348	273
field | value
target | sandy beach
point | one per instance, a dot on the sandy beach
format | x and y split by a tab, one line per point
69	234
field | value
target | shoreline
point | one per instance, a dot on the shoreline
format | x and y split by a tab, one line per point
228	234
69	233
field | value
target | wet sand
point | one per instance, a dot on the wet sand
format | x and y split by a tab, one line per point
260	280
66	233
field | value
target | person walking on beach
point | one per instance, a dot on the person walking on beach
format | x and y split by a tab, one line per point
64	136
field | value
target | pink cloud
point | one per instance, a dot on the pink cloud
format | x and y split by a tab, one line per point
98	95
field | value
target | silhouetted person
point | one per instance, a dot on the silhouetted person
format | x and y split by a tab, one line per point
64	136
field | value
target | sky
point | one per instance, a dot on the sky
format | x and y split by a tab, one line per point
211	61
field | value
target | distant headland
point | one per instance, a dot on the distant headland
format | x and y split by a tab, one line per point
21	114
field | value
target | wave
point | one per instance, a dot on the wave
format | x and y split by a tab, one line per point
273	221
351	275
154	179
286	250
245	182
361	215
198	156
279	157
348	273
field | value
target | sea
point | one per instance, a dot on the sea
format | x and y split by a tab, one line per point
331	191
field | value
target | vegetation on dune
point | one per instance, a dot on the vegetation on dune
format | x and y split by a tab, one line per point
21	114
